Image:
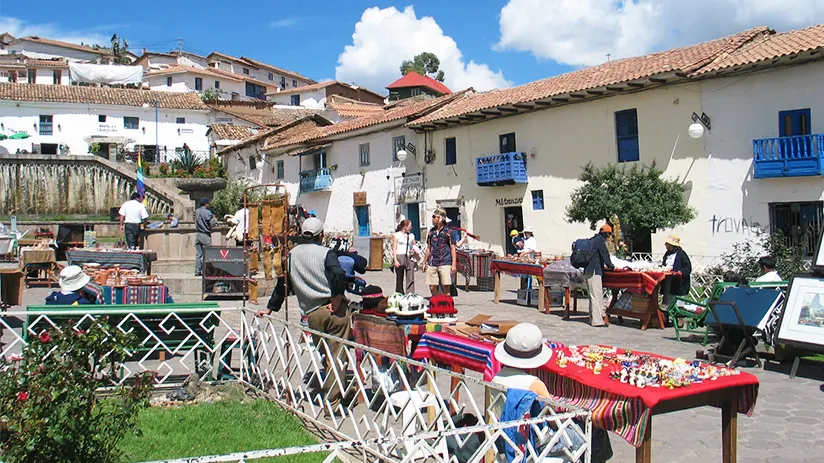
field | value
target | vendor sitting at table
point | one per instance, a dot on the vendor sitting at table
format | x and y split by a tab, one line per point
676	259
72	281
525	349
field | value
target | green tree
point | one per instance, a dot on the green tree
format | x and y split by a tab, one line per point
424	64
638	195
743	259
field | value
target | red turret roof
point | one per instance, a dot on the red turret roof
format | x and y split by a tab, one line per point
413	79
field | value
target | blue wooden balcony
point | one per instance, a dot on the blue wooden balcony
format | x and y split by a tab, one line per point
796	156
501	169
315	180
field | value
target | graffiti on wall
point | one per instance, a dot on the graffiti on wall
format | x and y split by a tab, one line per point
733	225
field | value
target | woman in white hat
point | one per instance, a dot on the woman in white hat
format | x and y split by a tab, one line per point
72	281
678	261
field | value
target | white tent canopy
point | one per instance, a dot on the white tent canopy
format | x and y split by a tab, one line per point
105	74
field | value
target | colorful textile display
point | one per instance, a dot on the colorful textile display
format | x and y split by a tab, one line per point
141	261
455	350
157	294
635	281
517	269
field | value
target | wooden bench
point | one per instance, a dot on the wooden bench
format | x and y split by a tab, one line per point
188	328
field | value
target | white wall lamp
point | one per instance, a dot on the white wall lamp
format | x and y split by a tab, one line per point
696	129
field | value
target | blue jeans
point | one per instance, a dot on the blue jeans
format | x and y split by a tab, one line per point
201	240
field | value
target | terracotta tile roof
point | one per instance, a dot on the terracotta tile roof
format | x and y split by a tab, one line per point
74	46
402	113
682	60
98	95
232	132
261	113
179	69
413	79
23	61
274	135
322	85
355	109
769	47
285	72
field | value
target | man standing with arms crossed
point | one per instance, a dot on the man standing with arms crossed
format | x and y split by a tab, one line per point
440	261
132	214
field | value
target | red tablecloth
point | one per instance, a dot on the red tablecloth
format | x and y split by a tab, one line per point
517	268
639	281
615	406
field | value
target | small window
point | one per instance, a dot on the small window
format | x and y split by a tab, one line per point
246	71
46	125
57	75
507	142
294	83
271	76
252	163
451	149
279	170
537	200
131	122
415	91
168	81
798	222
398	143
282	82
217	84
295	100
101	118
626	135
198	84
364	154
180	120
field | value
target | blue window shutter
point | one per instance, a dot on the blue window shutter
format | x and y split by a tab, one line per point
451	152
626	135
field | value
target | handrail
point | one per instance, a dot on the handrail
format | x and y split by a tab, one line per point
793	147
315	172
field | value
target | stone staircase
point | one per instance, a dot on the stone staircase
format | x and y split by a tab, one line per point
182	204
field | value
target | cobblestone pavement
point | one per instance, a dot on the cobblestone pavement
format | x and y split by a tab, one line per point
785	427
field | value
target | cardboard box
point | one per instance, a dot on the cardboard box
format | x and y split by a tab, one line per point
556	298
486	325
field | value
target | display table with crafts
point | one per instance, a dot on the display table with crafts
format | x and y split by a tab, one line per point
518	269
622	389
642	289
140	260
39	265
476	264
561	275
125	286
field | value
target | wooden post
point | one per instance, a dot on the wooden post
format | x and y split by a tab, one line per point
542	299
497	286
729	428
643	454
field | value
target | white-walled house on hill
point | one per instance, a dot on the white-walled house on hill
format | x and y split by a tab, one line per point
758	164
70	119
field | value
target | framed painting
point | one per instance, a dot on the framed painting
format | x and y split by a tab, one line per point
818	263
802	320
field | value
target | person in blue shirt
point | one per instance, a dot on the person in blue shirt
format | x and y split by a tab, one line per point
72	281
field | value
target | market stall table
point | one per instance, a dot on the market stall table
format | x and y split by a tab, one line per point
624	409
561	274
39	266
645	284
11	286
519	269
138	260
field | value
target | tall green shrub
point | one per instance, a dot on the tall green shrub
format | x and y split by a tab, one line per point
230	199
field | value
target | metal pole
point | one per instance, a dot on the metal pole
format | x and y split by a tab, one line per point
157	136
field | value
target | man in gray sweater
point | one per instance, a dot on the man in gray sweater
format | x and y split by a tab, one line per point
204	222
318	281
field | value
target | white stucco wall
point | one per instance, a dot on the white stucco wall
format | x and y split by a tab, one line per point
52	50
562	139
742	109
185	82
77	121
309	100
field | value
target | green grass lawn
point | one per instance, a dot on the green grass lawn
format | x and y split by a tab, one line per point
217	429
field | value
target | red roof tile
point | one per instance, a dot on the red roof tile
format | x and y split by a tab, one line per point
413	79
100	95
232	132
74	46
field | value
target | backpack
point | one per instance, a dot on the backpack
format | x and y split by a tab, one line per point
582	253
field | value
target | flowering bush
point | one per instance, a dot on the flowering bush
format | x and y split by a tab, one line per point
49	408
197	169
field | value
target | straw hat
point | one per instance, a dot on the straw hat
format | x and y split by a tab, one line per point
673	240
523	348
72	278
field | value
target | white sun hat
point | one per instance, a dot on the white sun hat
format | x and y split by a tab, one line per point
523	348
72	278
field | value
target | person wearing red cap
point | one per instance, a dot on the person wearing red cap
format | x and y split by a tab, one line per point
593	274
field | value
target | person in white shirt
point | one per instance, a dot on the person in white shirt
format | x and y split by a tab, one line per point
768	273
241	222
132	214
403	241
530	243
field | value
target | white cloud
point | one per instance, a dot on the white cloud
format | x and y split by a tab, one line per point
383	38
20	28
288	23
583	32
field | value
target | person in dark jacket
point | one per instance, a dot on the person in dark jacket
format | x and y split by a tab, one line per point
593	274
679	261
72	281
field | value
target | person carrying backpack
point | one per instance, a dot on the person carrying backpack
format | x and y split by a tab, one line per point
592	255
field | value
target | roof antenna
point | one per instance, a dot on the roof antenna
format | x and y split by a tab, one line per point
608	55
179	46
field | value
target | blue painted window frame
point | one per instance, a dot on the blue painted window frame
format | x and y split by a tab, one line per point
626	135
295	100
451	149
364	154
537	200
280	170
800	122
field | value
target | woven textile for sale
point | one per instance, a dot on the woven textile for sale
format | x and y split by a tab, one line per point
635	281
253	222
454	350
517	269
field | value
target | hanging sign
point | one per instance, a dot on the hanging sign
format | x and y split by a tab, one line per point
359	198
509	201
409	189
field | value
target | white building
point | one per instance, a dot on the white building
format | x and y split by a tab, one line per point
43	48
258	74
752	86
70	119
19	68
315	96
180	78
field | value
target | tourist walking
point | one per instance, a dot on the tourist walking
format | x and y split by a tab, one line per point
440	260
204	222
593	274
132	214
402	242
318	281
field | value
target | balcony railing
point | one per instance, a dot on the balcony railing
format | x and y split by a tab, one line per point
46	128
796	156
315	180
501	169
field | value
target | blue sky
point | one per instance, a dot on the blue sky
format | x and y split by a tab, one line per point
531	39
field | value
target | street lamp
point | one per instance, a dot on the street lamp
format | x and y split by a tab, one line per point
696	130
401	155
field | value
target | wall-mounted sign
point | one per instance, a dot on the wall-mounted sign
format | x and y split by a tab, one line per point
509	201
187	131
409	189
359	198
106	128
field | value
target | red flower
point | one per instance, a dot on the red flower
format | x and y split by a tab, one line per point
45	336
22	396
